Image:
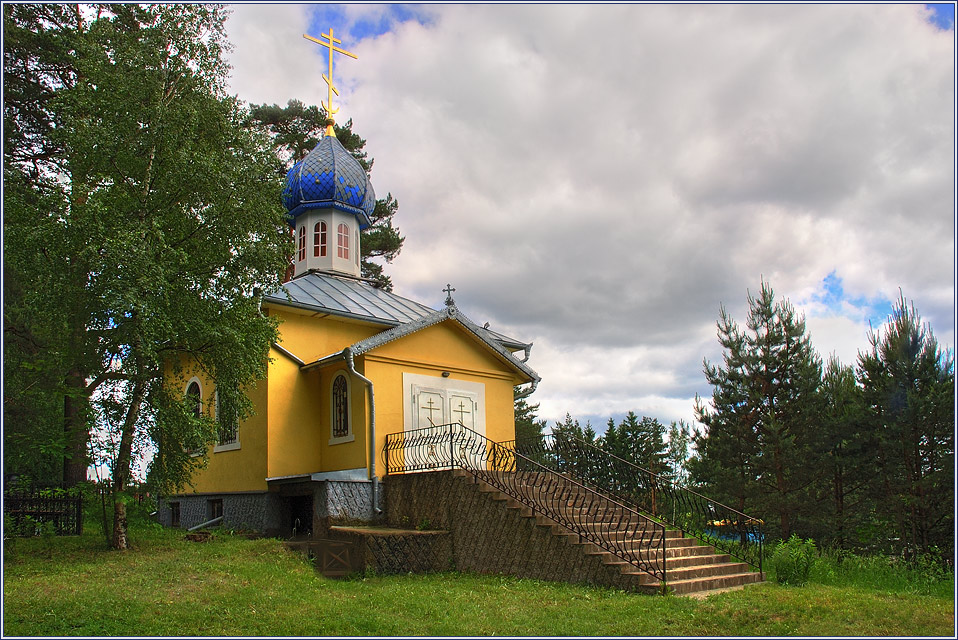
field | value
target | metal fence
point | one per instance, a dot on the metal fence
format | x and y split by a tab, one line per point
736	533
30	514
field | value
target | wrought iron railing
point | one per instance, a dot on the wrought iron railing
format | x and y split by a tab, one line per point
714	523
595	517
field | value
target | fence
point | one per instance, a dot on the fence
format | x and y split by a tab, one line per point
29	514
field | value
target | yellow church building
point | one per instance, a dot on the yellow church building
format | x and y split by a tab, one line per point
354	363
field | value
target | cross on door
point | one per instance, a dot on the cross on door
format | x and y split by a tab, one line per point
462	411
430	407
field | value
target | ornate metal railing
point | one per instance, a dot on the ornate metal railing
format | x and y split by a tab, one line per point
598	518
714	523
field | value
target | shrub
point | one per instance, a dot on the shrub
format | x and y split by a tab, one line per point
792	561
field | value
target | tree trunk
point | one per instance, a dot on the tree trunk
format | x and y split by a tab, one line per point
75	458
121	471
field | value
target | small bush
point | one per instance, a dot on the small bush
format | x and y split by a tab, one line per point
792	560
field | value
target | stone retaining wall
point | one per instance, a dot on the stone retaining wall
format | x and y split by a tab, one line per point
488	537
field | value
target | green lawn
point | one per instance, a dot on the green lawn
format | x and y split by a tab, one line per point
235	586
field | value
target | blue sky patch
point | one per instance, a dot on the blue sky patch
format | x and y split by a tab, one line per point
942	15
834	298
324	16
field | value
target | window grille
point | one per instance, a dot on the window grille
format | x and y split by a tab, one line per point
340	407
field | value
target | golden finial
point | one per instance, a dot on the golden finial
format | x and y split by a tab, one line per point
331	45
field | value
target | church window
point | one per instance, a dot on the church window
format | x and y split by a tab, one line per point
319	240
195	397
356	251
228	430
302	243
342	241
341	431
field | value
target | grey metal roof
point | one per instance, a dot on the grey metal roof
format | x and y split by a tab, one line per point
355	298
348	297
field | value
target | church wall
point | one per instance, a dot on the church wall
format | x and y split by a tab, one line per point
345	455
439	348
235	469
294	417
310	338
243	468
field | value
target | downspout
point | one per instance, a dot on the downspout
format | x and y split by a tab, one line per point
525	393
374	487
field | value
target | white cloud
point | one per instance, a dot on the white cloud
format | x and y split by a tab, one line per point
600	179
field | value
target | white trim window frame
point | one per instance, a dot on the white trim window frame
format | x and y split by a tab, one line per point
340	410
220	446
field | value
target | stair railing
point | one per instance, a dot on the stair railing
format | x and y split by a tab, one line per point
714	523
593	516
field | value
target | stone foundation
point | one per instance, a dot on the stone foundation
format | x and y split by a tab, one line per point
276	512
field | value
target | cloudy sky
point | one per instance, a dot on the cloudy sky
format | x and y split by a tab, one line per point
600	179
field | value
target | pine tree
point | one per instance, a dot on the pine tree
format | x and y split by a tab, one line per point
760	429
840	504
677	456
909	385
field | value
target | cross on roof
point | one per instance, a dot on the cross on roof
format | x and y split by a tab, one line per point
331	45
449	289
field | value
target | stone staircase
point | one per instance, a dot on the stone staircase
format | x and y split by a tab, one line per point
691	566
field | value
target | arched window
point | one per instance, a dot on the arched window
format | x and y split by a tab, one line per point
302	243
342	241
319	240
356	250
195	397
340	410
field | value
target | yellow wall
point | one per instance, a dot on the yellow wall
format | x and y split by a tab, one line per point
296	404
294	410
311	337
345	455
240	469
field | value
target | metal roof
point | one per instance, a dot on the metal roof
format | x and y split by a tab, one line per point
359	299
349	298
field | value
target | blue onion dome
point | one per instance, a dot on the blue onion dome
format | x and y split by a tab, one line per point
329	176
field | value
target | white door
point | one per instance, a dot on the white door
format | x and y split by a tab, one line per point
432	404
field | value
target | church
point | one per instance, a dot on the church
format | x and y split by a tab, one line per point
364	385
353	364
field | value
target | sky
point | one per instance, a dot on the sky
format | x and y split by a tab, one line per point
600	180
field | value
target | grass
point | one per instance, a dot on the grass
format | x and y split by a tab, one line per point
234	586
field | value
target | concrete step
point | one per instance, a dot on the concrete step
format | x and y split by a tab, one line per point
696	585
699	571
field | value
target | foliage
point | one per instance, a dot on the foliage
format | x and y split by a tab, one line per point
858	458
527	423
792	560
641	442
678	454
294	130
160	217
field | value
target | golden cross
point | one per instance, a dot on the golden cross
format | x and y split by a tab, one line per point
331	45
